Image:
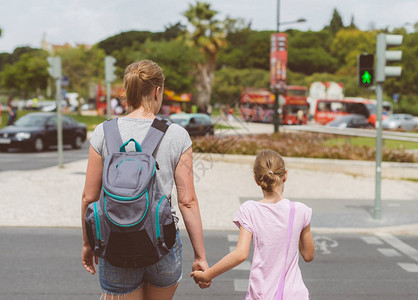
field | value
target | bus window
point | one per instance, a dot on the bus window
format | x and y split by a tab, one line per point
324	106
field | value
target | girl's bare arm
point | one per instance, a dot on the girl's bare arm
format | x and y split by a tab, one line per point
306	244
229	261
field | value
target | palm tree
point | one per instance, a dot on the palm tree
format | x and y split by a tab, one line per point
208	36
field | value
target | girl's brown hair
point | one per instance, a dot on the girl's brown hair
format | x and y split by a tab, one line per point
139	81
269	170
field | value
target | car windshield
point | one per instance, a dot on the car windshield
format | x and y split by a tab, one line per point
395	118
31	121
180	121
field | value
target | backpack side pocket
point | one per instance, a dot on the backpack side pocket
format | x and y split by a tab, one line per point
165	228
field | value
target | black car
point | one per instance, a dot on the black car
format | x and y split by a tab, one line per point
195	124
350	121
38	131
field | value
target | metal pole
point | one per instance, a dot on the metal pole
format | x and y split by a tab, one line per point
377	199
278	16
108	100
59	123
276	92
276	113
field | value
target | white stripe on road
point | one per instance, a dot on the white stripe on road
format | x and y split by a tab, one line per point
244	266
389	252
241	285
372	240
412	268
232	237
399	245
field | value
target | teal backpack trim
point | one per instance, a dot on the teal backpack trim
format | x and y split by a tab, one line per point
130	225
121	198
130	159
138	147
97	221
157	218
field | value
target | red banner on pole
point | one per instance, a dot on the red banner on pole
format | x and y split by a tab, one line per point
278	62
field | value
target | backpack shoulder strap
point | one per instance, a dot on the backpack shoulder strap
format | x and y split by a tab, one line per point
112	135
155	134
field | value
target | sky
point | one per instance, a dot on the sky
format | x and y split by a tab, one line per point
25	22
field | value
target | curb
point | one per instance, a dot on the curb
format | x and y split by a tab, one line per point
390	170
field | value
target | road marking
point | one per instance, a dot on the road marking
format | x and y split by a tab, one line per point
241	285
412	268
232	237
389	252
372	240
323	243
244	266
399	245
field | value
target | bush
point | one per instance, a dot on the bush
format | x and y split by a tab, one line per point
310	145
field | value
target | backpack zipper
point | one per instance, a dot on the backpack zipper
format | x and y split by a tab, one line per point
97	221
157	221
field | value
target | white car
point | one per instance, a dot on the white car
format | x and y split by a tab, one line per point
405	122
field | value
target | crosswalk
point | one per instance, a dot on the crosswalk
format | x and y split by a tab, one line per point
397	249
386	244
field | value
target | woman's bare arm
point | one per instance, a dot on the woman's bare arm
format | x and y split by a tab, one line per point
189	208
91	193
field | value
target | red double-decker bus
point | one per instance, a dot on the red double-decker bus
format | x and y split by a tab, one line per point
257	105
295	102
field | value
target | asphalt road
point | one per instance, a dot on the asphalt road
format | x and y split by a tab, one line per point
44	263
16	159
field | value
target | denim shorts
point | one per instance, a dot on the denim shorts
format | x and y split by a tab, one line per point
119	281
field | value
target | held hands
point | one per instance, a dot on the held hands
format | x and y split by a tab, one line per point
200	277
198	267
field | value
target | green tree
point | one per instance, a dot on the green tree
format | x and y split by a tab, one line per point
83	67
126	39
28	75
173	31
308	52
229	83
207	36
348	43
336	22
174	57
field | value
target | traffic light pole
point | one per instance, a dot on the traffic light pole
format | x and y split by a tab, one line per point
59	123
377	199
276	111
109	114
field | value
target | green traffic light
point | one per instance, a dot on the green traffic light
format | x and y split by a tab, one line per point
366	77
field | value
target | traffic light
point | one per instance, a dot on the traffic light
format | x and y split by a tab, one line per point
365	64
383	56
110	68
54	68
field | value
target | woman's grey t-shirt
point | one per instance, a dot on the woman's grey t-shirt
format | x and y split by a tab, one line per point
175	142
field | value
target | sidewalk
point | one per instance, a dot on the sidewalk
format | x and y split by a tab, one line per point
340	202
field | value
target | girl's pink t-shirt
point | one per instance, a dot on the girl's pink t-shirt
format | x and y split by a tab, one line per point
268	223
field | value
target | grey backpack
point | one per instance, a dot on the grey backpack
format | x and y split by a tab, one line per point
131	225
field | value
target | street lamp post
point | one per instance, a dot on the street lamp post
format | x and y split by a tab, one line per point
278	92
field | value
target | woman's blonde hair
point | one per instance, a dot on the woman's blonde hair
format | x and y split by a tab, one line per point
269	170
139	81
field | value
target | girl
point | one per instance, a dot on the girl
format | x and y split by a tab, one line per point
279	229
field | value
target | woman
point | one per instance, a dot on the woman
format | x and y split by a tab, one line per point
144	83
